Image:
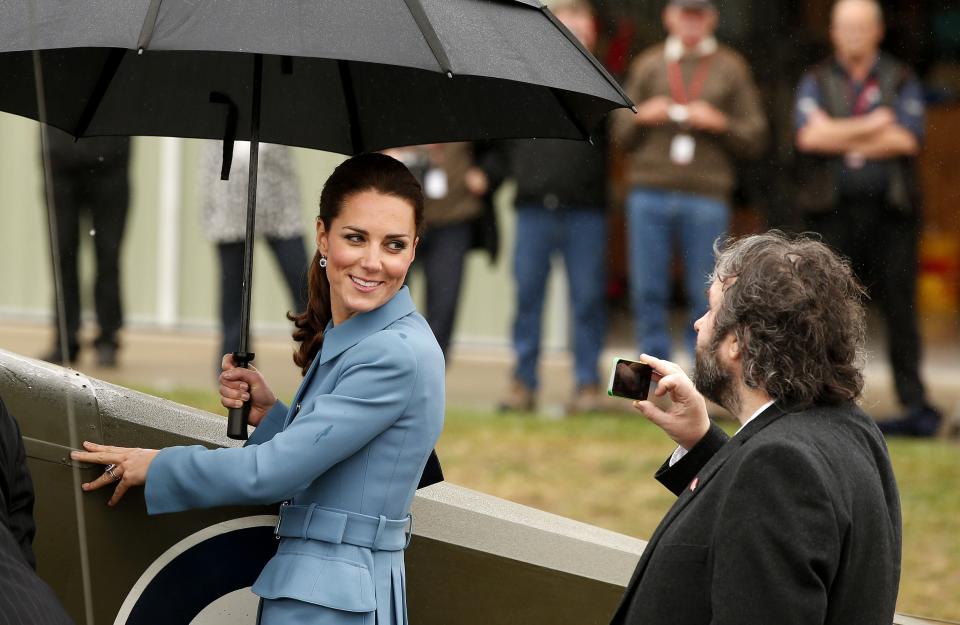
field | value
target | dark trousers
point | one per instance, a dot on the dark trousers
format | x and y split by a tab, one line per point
882	245
101	195
291	256
441	253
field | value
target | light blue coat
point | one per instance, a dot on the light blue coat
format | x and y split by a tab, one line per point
356	438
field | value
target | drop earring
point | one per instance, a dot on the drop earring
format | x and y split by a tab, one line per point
322	262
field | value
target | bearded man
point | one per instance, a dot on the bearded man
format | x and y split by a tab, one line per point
795	519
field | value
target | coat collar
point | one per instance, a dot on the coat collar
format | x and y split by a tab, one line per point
338	339
765	418
674	50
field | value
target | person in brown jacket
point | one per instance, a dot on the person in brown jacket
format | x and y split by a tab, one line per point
698	108
456	182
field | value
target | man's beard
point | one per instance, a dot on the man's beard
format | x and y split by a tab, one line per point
713	380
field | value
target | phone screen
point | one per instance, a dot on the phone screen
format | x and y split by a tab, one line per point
630	379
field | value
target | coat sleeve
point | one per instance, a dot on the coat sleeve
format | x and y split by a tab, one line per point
677	477
778	540
371	393
271	424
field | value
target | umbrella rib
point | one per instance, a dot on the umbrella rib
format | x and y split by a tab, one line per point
149	23
430	36
350	101
558	96
586	53
107	73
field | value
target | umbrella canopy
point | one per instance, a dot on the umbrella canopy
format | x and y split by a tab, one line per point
342	76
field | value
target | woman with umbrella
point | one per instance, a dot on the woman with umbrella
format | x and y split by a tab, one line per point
347	455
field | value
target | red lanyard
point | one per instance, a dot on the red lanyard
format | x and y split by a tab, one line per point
682	94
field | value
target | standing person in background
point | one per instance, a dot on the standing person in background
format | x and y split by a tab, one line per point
279	220
561	209
698	110
457	181
860	121
90	183
24	597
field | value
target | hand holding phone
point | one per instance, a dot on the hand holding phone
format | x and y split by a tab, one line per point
685	419
629	379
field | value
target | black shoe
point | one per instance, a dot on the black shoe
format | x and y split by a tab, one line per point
106	355
56	356
922	422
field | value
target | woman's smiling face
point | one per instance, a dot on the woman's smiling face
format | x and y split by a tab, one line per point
369	247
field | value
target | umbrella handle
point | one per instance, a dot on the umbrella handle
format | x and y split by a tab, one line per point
237	418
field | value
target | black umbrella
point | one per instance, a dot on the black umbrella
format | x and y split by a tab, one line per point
346	76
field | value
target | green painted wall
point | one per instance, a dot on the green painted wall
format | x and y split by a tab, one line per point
26	278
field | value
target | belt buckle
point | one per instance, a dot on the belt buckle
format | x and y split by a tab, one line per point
408	531
276	530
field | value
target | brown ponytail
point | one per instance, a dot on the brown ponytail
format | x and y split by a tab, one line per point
311	323
364	172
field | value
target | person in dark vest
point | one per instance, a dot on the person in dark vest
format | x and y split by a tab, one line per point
91	193
24	597
859	125
793	518
561	204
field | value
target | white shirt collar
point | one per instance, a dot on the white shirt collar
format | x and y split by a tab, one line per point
755	415
674	50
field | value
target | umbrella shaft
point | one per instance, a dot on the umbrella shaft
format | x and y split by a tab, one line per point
251	204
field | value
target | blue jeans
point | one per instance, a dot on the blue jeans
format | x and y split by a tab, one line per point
655	219
580	235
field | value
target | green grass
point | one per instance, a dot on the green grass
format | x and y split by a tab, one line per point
598	469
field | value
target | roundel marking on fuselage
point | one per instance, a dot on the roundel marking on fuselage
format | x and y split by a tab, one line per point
198	570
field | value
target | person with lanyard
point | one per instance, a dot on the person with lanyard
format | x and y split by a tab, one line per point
698	108
859	124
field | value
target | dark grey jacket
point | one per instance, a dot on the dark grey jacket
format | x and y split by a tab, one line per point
794	521
24	597
559	173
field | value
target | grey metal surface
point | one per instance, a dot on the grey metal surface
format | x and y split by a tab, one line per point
47	393
452	514
905	619
126	413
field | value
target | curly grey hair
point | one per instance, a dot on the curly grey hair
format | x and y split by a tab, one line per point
797	312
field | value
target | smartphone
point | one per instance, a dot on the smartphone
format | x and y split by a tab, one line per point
629	379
